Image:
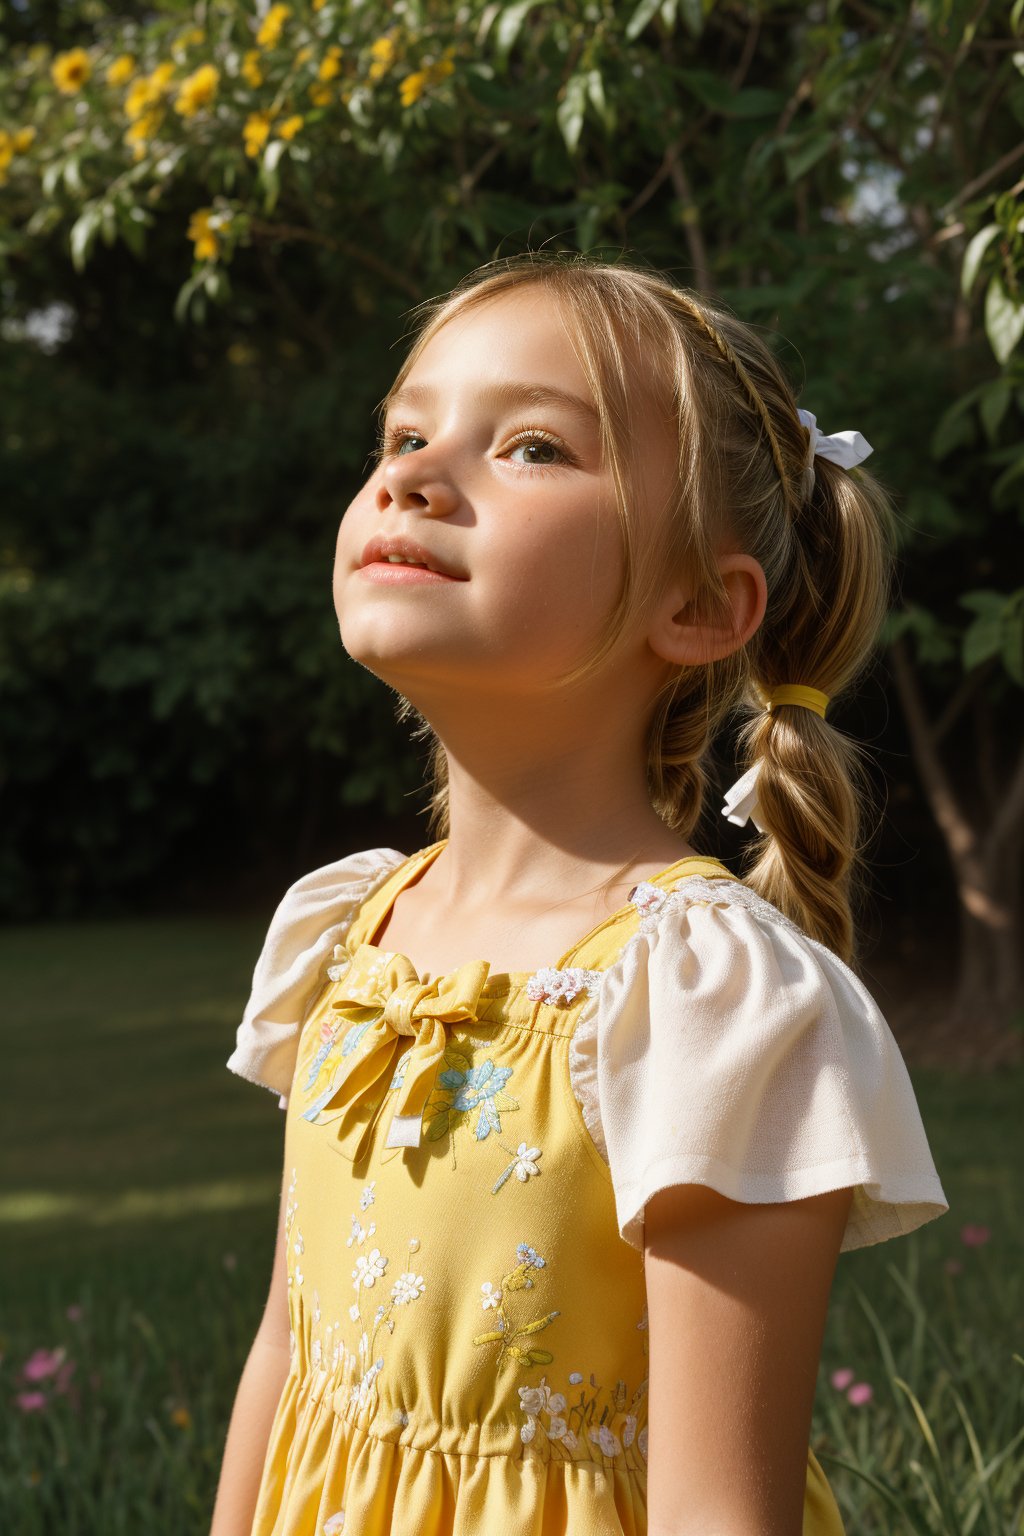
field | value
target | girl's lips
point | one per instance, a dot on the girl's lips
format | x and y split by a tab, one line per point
390	573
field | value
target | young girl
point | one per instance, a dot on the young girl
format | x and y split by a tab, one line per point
578	1121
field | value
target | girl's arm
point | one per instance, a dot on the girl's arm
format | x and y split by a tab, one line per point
259	1391
737	1298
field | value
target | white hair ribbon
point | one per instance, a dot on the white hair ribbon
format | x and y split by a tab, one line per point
843	448
741	799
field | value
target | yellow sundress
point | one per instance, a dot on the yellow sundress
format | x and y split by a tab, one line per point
469	1332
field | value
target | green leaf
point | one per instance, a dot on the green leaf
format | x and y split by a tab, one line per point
539	1357
692	13
1002	489
641	18
716	93
510	24
988	603
1004	320
570	111
83	235
993	407
983	638
972	257
810	152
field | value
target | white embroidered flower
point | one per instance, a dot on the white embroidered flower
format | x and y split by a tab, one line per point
364	1344
531	1400
556	1401
608	1442
369	1268
549	985
291	1341
575	1377
414	1244
557	1428
299	1277
527	1431
316	1307
366	1198
353	1310
628	1428
641	1441
399	1418
526	1161
315	1353
647	898
407	1288
299	1245
491	1295
569	1440
335	1524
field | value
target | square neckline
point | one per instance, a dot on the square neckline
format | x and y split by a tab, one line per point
500	981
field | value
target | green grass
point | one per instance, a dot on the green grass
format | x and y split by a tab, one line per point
138	1182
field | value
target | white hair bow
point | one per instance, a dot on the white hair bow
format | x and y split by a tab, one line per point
741	799
844	448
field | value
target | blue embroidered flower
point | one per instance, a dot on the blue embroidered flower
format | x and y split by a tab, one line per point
530	1255
465	1091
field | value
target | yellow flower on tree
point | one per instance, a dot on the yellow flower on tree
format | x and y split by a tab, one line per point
197	90
6	154
190	38
251	67
23	138
321	95
290	127
383	53
162	75
318	5
269	33
71	70
304	55
207	245
256	132
412	87
330	65
146	127
121	70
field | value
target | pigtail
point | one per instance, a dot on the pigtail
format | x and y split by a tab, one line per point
813	791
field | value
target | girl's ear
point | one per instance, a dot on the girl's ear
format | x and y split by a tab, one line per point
677	635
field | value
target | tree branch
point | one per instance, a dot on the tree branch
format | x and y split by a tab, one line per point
368	259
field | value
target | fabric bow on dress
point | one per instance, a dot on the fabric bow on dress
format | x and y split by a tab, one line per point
383	999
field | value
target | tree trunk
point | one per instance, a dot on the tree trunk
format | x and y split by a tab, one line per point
988	999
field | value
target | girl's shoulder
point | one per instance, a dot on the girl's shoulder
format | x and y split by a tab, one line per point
313	915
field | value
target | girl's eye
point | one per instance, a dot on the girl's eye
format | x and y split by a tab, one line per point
540	451
406	442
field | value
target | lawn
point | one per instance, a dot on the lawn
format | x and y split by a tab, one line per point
138	1187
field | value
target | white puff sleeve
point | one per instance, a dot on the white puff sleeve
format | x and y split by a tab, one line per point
314	914
727	1048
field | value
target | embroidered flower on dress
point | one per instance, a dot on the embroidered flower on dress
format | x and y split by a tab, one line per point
647	898
529	1255
369	1268
575	1377
524	1162
360	1233
407	1288
463	1091
603	1437
335	1525
353	1311
549	985
366	1198
491	1295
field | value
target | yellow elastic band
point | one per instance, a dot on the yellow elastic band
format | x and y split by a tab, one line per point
797	693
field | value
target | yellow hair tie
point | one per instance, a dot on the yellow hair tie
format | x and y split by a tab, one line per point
797	693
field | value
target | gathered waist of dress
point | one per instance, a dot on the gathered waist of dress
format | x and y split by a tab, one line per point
550	1430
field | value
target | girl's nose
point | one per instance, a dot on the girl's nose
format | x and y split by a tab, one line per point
412	487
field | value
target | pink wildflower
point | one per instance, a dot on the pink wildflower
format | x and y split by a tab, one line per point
841	1378
953	1267
64	1375
860	1393
30	1402
74	1313
973	1236
42	1363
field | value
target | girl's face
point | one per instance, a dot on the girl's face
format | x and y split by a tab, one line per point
492	475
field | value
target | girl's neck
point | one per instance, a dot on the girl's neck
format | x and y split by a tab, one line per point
542	805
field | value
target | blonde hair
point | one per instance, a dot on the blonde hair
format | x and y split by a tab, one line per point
824	536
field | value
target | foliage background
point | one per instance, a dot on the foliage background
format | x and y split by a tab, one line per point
215	219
